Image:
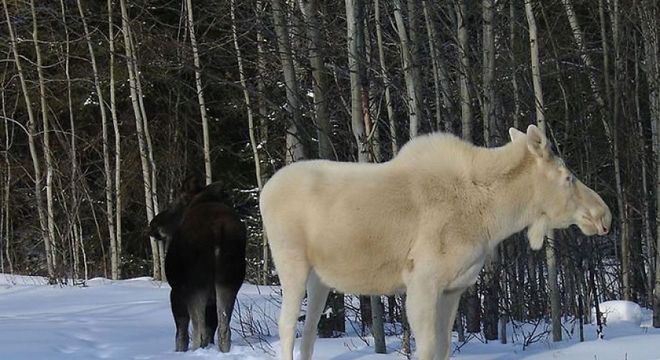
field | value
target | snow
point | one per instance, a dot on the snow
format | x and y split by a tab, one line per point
618	311
131	319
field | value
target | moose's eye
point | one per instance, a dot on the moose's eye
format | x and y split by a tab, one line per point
570	179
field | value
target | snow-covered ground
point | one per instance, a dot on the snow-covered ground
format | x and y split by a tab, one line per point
131	319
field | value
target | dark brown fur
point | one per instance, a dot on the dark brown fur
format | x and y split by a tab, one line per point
205	263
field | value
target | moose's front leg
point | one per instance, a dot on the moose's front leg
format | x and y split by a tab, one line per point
447	306
421	307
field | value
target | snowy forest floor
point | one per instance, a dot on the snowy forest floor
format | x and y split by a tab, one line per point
131	319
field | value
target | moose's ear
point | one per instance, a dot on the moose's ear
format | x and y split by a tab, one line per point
515	133
537	142
191	185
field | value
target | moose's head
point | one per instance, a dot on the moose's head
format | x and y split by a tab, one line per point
560	199
164	224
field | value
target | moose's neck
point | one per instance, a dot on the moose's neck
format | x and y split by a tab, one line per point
511	181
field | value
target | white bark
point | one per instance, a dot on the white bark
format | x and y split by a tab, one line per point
435	58
294	151
117	135
464	69
74	156
353	27
386	79
32	130
200	93
109	201
5	219
144	157
48	161
648	14
551	258
355	42
610	132
536	68
251	127
263	116
412	98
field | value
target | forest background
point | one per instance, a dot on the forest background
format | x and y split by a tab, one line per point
106	106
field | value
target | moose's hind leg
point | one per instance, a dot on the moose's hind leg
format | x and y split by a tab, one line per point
211	319
226	298
447	306
181	318
197	309
317	293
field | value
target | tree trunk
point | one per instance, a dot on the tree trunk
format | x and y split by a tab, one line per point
359	115
407	52
464	69
48	160
5	219
32	133
117	135
200	93
386	79
310	10
551	257
514	64
144	156
73	212
621	195
109	203
436	65
611	133
491	298
648	15
648	248
488	70
294	151
263	118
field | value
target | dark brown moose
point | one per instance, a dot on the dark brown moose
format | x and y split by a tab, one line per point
205	262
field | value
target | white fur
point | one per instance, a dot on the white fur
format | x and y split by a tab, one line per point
422	223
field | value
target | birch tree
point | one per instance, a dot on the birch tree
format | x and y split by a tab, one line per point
488	69
5	222
200	92
386	78
551	257
514	64
648	14
611	133
463	69
32	133
248	104
139	123
117	137
48	159
294	151
491	302
263	126
310	10
73	153
108	174
407	53
355	43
